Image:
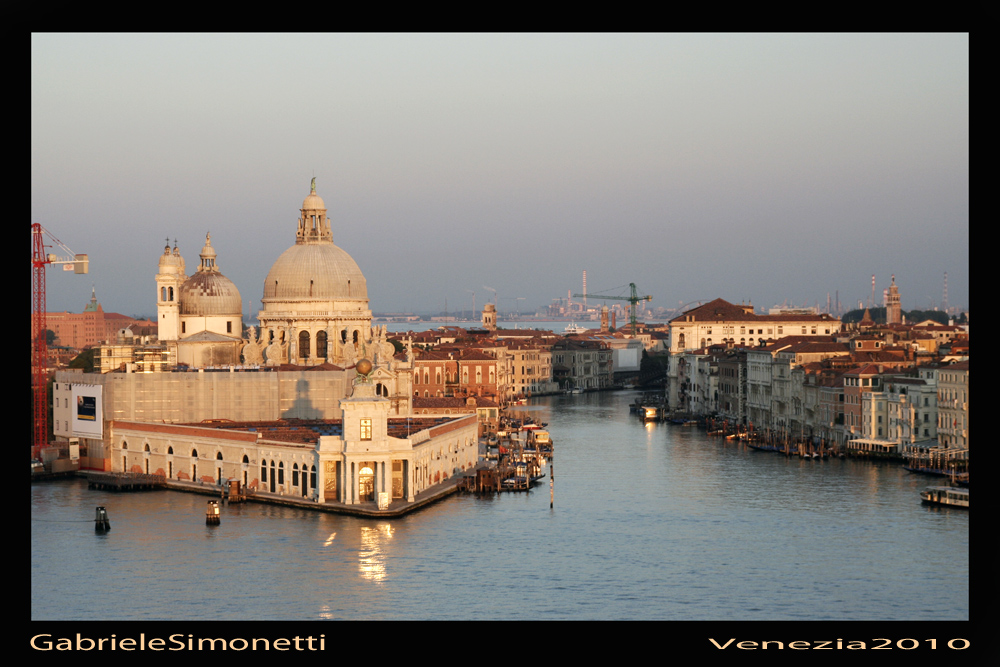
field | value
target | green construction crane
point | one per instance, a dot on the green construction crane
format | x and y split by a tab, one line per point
634	299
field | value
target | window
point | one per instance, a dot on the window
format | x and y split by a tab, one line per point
366	429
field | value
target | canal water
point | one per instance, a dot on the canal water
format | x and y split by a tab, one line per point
648	521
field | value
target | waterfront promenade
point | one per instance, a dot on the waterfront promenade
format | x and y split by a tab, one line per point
396	508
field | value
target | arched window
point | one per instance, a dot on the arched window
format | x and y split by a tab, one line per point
303	344
281	472
170	294
321	345
163	294
263	470
194	453
295	474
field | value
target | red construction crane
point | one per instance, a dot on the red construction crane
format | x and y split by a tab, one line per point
39	345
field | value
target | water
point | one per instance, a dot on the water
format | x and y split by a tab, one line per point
651	521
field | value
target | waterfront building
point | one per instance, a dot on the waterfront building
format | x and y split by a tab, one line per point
830	409
531	369
363	459
719	321
732	385
857	383
698	379
584	364
759	386
953	405
458	371
486	409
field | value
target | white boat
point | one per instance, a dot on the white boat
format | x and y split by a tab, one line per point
952	496
574	329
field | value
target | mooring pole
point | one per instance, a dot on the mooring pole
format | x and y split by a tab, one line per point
101	522
212	517
552	492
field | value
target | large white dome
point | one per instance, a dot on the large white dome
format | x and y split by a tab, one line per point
315	271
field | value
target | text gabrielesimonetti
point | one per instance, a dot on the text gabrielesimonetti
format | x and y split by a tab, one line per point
175	642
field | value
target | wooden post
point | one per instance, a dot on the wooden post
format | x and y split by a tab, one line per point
212	517
552	492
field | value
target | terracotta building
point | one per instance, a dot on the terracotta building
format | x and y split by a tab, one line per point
93	325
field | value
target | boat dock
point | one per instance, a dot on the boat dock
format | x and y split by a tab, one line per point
516	459
125	481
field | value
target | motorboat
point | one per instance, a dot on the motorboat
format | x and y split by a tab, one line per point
952	496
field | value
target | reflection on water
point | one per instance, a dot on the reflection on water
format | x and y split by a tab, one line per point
372	555
650	521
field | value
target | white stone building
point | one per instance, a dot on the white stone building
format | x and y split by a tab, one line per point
363	460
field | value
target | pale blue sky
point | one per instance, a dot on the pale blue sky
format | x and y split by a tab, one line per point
755	167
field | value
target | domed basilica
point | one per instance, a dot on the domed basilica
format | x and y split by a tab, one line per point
315	306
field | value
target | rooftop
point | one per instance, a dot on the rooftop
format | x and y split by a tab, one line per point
308	431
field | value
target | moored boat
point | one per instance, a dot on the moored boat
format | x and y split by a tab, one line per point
951	496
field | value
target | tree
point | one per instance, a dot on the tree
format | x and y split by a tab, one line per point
84	360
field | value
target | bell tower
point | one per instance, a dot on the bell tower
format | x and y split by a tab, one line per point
490	317
893	309
168	287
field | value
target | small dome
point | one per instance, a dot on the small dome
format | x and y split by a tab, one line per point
313	202
210	293
171	262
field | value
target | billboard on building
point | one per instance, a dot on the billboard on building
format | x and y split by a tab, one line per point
87	418
627	359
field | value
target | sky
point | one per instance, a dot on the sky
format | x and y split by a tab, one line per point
464	168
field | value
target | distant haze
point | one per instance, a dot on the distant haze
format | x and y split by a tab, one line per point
755	168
